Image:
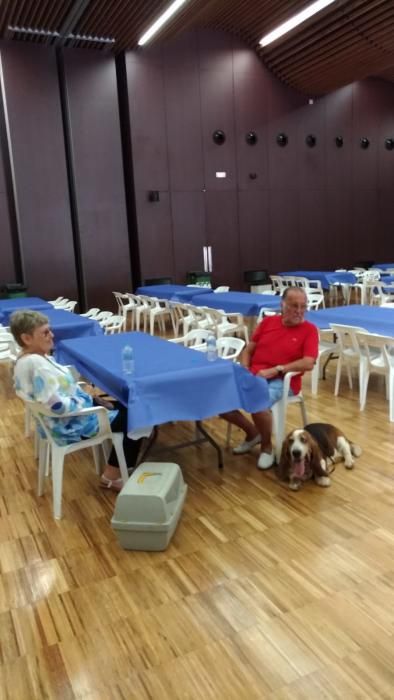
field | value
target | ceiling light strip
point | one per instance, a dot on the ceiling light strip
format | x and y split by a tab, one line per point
167	14
294	21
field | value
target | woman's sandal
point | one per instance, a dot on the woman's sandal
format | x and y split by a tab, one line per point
114	484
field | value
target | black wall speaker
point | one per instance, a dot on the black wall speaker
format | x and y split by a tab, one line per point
339	141
364	142
282	139
153	196
219	137
310	140
389	144
251	138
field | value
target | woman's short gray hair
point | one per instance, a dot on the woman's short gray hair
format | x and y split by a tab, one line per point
26	321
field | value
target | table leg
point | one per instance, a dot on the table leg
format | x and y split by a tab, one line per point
206	437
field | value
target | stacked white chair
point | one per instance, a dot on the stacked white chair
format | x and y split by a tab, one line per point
126	304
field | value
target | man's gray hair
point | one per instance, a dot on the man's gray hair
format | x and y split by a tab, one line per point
293	289
26	321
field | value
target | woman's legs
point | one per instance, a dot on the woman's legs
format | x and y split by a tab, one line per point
131	448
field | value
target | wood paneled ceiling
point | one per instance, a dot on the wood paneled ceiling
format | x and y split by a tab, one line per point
349	40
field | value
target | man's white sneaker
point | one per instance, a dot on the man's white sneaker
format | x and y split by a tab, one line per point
266	460
246	446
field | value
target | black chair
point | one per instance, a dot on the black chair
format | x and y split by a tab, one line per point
158	280
255	277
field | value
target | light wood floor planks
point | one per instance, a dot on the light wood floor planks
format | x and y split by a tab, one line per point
262	594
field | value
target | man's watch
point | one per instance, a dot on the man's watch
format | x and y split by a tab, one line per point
280	369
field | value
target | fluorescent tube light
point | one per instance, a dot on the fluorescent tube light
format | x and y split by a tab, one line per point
294	21
164	17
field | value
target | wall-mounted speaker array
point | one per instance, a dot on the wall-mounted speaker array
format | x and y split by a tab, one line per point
282	140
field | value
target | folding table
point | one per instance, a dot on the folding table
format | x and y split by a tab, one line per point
8	306
374	319
243	303
170	382
173	292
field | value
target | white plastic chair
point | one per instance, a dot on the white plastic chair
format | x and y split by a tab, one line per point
60	302
348	350
327	347
315	299
279	413
70	306
377	355
230	348
278	285
159	310
8	348
126	304
223	288
103	316
58	452
196	339
91	313
57	301
184	315
365	285
224	323
113	324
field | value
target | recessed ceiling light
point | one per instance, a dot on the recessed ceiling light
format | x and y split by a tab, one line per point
164	17
294	21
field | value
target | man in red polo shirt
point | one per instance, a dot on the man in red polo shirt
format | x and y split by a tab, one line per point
280	344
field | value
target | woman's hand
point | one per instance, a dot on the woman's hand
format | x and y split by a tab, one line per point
270	373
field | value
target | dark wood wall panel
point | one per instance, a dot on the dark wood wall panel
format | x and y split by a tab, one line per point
98	169
37	147
155	235
148	121
189	231
321	207
183	115
255	242
222	235
251	108
7	262
339	247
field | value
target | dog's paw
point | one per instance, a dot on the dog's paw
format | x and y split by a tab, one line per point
323	481
349	464
294	485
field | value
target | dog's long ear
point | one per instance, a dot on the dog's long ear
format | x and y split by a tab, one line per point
284	461
315	458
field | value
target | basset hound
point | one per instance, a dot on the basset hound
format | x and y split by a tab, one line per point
311	452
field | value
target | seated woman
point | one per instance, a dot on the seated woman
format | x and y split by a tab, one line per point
39	378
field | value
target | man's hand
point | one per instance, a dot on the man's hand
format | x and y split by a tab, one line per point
270	373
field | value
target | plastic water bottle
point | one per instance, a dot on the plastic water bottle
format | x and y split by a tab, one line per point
128	360
212	351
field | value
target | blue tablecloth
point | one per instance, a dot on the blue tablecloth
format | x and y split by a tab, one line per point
383	266
374	319
326	278
170	382
8	306
174	292
65	324
238	302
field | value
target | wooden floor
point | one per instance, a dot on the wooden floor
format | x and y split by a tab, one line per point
263	593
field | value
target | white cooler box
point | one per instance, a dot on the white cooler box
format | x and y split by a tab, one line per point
149	506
